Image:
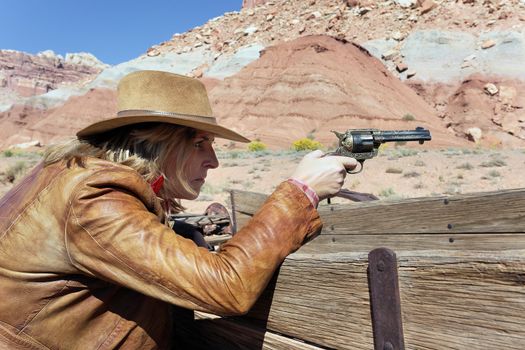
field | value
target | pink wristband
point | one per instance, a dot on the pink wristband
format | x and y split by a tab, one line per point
308	191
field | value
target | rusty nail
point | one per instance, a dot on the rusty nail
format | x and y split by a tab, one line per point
446	201
451	240
449	226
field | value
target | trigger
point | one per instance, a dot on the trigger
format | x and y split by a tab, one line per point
360	164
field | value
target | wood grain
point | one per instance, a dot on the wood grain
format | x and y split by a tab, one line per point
449	299
461	273
488	212
328	243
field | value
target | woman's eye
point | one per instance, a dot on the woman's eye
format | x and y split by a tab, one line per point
198	144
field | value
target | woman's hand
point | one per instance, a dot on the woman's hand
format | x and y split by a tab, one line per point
325	175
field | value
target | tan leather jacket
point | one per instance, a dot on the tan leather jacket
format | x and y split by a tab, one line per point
85	262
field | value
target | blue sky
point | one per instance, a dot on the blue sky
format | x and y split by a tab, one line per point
114	31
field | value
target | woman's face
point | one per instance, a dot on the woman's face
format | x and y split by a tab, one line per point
201	159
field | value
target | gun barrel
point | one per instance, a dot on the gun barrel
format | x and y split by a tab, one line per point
419	134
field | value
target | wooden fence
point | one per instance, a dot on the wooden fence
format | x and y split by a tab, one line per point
461	268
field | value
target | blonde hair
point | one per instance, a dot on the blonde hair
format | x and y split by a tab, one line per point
143	147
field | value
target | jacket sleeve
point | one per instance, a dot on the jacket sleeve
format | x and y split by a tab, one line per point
113	233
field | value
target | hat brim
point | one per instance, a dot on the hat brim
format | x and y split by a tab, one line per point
189	121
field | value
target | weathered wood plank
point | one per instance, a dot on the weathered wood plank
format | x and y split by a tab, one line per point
241	219
449	299
461	272
247	202
226	334
327	243
488	212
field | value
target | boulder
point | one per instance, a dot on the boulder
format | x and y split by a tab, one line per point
474	134
490	89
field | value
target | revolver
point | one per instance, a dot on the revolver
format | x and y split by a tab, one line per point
363	144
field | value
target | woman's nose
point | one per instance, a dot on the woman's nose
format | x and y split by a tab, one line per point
211	161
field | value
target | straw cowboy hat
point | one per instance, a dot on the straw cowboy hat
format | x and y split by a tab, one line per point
162	97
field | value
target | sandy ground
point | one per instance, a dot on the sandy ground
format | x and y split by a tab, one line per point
395	174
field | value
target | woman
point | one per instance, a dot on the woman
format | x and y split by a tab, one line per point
86	260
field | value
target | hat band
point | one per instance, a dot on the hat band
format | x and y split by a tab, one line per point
145	112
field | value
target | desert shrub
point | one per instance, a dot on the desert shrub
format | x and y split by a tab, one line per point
419	162
494	173
409	117
306	144
452	152
8	153
408	152
402	152
231	155
382	149
393	171
229	164
256	146
203	197
411	174
387	192
451	189
247	185
210	189
493	163
14	171
465	166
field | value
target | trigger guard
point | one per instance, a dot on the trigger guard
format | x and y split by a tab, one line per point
359	170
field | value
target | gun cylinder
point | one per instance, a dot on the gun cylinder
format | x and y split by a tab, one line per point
360	142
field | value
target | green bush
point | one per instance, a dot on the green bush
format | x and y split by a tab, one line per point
409	117
8	153
256	146
306	144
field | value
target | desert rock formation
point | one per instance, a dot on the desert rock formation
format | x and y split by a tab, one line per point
55	124
25	75
309	86
436	47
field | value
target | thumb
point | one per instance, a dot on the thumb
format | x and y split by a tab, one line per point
315	154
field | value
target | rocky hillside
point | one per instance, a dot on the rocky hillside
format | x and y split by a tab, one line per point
25	75
454	64
316	84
